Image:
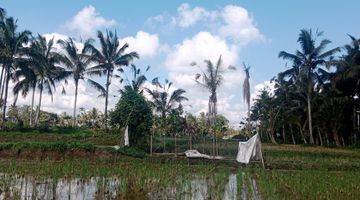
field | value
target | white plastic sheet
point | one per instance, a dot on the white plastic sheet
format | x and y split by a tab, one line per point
196	154
249	150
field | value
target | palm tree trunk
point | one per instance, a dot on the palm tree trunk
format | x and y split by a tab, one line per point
320	138
175	145
302	135
283	133
106	98
3	84
272	136
310	119
32	105
1	77
190	139
7	79
75	101
39	106
292	135
15	99
336	138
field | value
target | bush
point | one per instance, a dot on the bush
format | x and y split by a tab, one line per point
133	111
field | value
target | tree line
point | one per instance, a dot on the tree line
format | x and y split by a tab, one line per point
316	99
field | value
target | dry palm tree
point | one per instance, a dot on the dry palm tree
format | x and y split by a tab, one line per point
246	92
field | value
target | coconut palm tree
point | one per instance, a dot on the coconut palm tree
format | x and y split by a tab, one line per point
48	71
138	79
109	57
26	81
76	62
211	79
308	60
11	45
163	101
347	74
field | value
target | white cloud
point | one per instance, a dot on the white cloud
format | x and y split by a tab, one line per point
145	44
266	85
188	17
87	21
230	22
87	98
57	37
202	46
239	25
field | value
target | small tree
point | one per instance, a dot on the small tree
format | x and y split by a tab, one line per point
133	111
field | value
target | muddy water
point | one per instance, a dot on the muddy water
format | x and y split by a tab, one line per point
27	187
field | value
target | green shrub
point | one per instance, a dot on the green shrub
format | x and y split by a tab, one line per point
133	111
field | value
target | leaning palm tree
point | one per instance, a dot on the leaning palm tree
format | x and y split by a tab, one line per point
109	57
76	62
48	72
307	61
11	45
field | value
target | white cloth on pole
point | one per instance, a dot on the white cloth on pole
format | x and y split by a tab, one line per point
196	154
126	136
250	149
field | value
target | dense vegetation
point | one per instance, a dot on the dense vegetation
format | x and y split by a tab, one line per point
316	100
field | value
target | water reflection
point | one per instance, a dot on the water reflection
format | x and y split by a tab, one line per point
27	187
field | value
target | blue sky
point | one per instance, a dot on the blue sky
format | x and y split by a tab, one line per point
175	27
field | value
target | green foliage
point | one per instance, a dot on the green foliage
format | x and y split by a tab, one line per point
133	111
131	151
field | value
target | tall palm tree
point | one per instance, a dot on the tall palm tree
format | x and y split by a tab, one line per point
307	61
246	91
48	71
76	61
11	45
211	79
109	57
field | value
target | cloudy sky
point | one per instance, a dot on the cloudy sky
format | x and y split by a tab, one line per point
169	35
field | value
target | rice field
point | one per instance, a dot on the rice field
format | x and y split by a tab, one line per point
79	169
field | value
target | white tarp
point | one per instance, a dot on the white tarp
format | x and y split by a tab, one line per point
250	149
196	154
126	136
